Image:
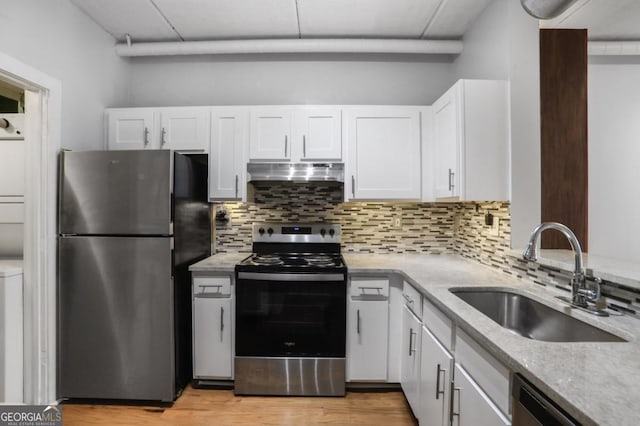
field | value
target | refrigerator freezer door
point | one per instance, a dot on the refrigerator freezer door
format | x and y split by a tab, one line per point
115	319
115	192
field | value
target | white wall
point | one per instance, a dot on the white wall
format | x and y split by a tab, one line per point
614	158
289	79
56	38
503	44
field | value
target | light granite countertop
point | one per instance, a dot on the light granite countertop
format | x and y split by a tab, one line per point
597	383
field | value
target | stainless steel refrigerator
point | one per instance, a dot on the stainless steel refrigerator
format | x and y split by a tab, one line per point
125	243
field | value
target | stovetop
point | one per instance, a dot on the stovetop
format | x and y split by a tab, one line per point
295	247
293	262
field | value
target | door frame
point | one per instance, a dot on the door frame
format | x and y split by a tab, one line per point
43	108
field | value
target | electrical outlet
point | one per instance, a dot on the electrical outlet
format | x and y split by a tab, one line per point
456	225
396	222
495	227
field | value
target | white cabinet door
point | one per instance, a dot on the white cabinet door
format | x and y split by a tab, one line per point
227	178
384	153
185	129
410	367
131	128
471	406
367	340
471	138
447	145
212	349
270	134
318	134
436	366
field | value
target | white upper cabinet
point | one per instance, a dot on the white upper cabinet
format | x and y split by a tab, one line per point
383	153
270	134
318	134
471	141
184	129
131	128
227	158
295	134
181	128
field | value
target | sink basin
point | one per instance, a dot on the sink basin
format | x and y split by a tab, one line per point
528	318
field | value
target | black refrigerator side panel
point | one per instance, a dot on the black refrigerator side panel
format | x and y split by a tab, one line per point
115	318
192	236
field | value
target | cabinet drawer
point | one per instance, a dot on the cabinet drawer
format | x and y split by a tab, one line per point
369	288
412	298
487	371
11	213
207	286
437	322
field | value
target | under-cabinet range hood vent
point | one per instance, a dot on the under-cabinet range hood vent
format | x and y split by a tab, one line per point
295	172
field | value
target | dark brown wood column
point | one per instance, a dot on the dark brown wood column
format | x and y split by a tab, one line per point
564	132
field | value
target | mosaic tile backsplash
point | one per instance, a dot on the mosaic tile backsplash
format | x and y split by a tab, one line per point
427	228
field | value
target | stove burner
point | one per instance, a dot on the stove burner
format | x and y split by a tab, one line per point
320	260
267	259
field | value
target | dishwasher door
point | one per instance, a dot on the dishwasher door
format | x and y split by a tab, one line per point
532	408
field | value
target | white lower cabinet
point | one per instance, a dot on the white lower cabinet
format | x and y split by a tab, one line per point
212	328
410	364
367	340
436	366
471	406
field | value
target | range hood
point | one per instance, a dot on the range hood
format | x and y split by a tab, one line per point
295	172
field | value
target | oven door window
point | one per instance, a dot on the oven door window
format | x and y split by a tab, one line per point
287	319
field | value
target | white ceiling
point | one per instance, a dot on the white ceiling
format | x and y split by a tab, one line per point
175	20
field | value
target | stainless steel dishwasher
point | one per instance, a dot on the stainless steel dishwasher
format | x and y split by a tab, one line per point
532	408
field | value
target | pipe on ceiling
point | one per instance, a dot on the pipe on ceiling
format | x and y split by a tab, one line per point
614	48
230	47
546	9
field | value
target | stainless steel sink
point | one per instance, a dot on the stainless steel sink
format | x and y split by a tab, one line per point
528	318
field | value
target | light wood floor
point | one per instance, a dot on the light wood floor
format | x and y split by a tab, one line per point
221	407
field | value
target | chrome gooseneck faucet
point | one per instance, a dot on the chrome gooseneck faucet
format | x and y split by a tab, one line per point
580	294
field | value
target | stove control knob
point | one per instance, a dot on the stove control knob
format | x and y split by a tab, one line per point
270	231
323	232
331	232
261	231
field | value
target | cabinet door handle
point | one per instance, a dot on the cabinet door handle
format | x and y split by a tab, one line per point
451	175
146	136
358	321
452	413
304	146
438	391
411	348
221	319
286	143
163	137
353	186
236	186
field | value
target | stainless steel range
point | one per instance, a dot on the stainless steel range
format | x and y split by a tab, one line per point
291	303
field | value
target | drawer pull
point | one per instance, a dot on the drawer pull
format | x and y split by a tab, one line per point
438	391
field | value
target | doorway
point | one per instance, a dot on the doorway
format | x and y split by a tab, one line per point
42	130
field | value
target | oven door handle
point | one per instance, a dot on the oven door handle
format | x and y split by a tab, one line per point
285	276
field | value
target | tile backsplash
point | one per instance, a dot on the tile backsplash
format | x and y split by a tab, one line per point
426	228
